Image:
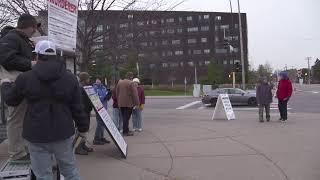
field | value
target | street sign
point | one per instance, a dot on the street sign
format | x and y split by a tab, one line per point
223	109
62	23
111	128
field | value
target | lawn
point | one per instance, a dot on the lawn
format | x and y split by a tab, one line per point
155	92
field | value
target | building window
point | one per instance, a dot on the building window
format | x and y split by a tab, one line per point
189	18
163	31
225	62
204	40
237	61
125	25
218	18
170	31
179	30
180	19
164	42
221	51
200	63
120	36
141	55
140	23
207	16
144	44
200	17
197	52
190	63
130	35
224	26
130	16
108	27
170	53
206	63
217	39
175	42
193	29
231	61
206	51
152	33
152	66
164	65
162	21
153	22
163	53
156	44
99	28
170	20
236	26
204	28
178	53
192	41
235	50
174	65
236	38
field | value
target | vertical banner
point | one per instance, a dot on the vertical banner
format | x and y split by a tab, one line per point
110	126
62	23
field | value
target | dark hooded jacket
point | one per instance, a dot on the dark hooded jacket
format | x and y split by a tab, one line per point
264	93
54	102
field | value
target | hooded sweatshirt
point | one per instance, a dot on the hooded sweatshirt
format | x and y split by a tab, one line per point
54	103
264	93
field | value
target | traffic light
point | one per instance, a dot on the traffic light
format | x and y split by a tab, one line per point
237	67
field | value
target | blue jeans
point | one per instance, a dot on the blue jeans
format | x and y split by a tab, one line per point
41	159
99	134
137	118
117	118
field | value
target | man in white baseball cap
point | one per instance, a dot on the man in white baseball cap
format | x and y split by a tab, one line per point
54	109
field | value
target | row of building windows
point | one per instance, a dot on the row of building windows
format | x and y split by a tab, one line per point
191	63
179	19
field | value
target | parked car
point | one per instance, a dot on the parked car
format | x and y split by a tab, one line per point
237	96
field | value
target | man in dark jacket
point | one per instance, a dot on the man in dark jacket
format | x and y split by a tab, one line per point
16	57
264	98
84	78
54	109
284	93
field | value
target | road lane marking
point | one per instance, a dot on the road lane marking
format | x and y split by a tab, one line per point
188	105
202	107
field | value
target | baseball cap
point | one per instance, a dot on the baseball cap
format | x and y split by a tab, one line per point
45	47
136	80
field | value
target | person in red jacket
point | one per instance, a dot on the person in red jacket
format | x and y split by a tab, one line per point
284	93
137	111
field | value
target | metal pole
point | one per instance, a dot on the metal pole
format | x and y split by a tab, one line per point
309	71
233	79
241	50
195	75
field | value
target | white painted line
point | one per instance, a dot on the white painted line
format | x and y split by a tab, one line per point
315	92
188	105
202	107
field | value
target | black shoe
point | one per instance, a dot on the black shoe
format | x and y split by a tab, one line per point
88	149
105	140
280	119
268	120
81	151
130	133
261	121
98	142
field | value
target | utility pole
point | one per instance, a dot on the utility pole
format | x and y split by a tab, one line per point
241	50
309	71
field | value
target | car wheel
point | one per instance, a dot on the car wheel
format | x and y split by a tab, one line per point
252	102
213	102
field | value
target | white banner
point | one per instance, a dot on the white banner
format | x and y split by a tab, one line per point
223	109
62	23
110	126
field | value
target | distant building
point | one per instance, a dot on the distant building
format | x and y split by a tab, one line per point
169	45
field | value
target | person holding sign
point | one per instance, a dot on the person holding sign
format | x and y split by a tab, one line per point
54	110
127	96
264	98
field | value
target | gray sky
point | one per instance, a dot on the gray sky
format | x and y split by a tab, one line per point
280	31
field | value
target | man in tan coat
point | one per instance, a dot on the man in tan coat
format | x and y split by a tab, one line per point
127	95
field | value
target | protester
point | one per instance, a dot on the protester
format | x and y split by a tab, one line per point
284	93
104	96
264	98
127	96
16	57
54	109
5	30
84	78
137	112
117	117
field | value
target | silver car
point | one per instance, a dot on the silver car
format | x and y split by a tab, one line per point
237	96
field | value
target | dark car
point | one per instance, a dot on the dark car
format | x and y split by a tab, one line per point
237	96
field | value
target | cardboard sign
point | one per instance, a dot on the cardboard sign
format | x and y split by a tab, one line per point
223	109
62	23
111	128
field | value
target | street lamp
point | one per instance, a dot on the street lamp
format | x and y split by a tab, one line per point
241	46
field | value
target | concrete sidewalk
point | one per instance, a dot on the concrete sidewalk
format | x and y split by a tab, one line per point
187	145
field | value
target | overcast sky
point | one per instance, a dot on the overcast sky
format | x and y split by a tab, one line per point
279	31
